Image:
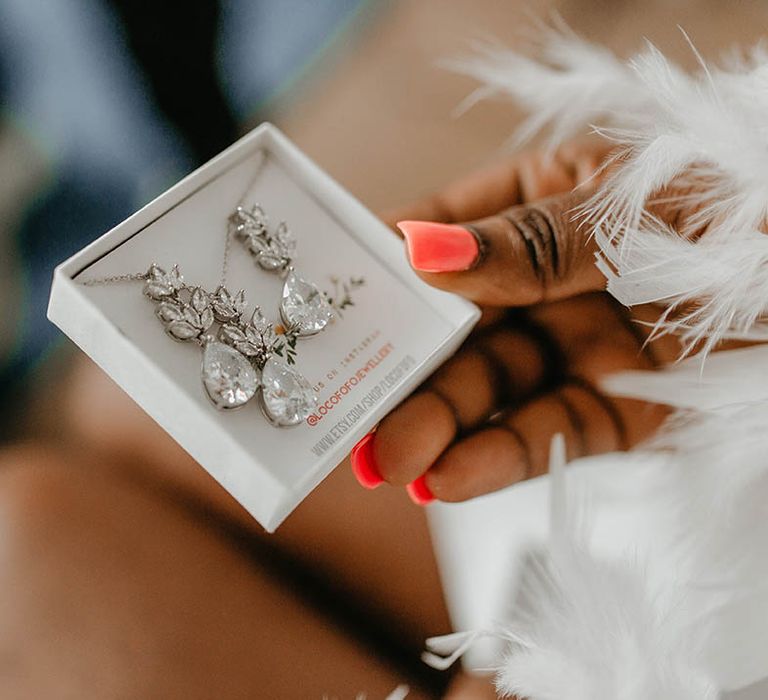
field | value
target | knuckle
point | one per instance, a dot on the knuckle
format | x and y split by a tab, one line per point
539	232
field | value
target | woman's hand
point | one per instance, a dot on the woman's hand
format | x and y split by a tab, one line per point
548	335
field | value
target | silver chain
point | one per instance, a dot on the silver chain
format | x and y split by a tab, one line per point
142	276
225	261
114	279
228	236
248	187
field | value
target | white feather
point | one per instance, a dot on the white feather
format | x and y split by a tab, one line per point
712	511
590	629
706	139
445	650
729	378
721	466
569	84
713	288
703	135
600	630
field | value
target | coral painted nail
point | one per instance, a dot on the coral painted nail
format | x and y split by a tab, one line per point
364	465
419	491
439	247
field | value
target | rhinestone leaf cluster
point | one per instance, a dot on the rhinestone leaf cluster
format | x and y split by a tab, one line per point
272	251
185	312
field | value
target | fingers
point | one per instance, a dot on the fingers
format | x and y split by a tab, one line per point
527	254
533	250
501	366
511	447
516	446
480	426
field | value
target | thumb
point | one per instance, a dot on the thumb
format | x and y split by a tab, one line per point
524	255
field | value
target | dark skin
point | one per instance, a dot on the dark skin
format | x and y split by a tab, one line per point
548	335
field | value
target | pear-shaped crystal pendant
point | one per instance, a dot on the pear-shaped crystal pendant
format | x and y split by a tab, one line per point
229	379
286	396
304	307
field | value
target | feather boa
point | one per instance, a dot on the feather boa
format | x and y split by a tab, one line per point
697	140
590	629
713	506
730	378
690	623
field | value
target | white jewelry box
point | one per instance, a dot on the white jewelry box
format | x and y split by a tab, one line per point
397	332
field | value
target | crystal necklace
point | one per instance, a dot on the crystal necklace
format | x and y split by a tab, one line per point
243	357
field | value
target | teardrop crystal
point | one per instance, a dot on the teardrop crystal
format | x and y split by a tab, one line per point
304	306
286	396
229	379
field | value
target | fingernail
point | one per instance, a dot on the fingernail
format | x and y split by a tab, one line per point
364	465
439	247
419	491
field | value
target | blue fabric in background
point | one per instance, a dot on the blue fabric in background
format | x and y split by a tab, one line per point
71	80
257	66
71	85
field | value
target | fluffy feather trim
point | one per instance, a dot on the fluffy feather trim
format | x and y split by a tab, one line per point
569	84
697	140
731	378
589	629
712	516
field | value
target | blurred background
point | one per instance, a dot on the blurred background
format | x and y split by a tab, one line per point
106	103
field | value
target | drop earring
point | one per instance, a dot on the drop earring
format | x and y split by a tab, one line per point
303	306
